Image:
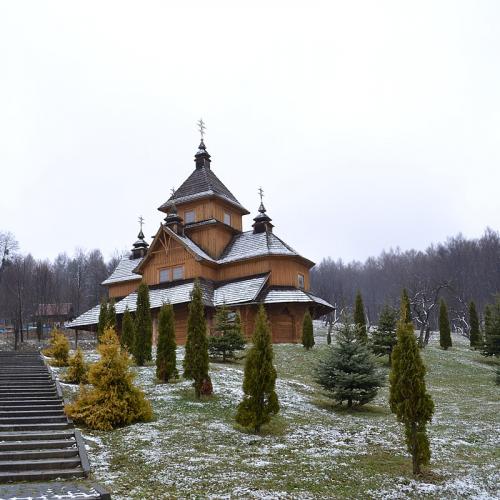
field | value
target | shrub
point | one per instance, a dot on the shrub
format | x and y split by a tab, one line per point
260	400
384	337
165	352
59	349
113	401
307	331
360	318
227	337
128	331
348	372
78	370
143	327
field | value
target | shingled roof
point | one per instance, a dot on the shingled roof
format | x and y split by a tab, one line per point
202	183
124	271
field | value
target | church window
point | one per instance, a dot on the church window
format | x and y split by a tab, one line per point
178	273
164	275
189	216
300	281
227	218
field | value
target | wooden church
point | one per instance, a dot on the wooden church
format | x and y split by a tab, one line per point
202	238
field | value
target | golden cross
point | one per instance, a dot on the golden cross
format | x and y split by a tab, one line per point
141	221
261	194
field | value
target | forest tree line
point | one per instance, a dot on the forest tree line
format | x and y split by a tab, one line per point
459	270
26	282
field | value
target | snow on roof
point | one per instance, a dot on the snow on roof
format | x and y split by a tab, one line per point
202	183
124	271
249	244
236	292
278	295
193	246
91	317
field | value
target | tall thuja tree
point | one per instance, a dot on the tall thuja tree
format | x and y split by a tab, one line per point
348	371
475	332
408	395
165	352
260	401
103	319
384	337
111	315
492	329
128	331
444	326
196	361
307	331
360	318
405	307
143	327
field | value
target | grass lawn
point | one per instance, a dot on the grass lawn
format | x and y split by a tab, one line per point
312	449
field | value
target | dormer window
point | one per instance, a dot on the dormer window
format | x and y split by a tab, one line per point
227	218
189	217
178	273
164	275
300	281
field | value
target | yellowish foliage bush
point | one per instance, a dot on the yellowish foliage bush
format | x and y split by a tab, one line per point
58	349
114	401
78	370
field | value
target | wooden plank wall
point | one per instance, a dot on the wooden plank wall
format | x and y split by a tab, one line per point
212	239
123	289
211	209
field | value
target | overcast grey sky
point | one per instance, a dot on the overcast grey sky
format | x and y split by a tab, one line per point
369	125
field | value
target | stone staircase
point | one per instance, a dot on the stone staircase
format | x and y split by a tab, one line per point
37	441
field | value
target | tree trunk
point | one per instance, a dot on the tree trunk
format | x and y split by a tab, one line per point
427	335
421	336
76	340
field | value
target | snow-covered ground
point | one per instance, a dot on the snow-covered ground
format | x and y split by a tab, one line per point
193	448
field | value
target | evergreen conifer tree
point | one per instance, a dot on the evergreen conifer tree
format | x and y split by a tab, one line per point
166	369
227	337
384	337
307	331
114	400
348	372
492	329
103	319
260	400
127	337
475	332
360	318
408	396
405	307
444	326
196	362
111	315
77	369
143	327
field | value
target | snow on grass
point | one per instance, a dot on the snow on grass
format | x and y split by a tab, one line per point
311	449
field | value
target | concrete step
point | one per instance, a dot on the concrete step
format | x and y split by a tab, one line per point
37	435
42	464
40	475
25	383
56	426
31	402
32	444
34	419
25	394
27	455
16	411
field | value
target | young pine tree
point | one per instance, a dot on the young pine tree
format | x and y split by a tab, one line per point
492	329
384	337
196	362
444	326
165	352
77	370
111	315
103	319
59	349
475	332
113	401
127	337
143	327
307	331
348	372
408	396
227	337
360	318
260	400
405	307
